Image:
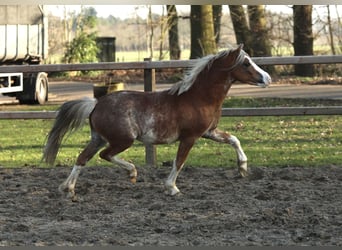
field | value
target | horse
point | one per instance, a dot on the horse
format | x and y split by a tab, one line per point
190	109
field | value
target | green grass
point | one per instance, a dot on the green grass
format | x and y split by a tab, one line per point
267	141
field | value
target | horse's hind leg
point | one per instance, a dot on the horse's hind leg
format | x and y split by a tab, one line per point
109	154
223	137
94	145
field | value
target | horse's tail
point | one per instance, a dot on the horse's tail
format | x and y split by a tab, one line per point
71	116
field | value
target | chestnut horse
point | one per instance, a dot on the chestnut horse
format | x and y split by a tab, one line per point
188	110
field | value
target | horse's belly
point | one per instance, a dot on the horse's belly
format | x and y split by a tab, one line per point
154	137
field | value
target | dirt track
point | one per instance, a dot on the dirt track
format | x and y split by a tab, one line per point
280	206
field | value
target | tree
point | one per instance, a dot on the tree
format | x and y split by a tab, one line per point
195	27
303	37
339	29
150	26
173	32
163	29
240	25
83	47
217	14
87	19
331	35
208	36
202	31
255	35
259	42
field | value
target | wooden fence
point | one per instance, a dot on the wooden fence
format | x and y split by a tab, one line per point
149	82
149	85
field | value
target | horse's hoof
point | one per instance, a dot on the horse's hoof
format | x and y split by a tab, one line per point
243	173
172	191
133	180
69	194
133	176
243	169
72	197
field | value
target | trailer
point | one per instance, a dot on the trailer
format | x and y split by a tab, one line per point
24	41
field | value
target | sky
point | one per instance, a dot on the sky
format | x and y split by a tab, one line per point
124	11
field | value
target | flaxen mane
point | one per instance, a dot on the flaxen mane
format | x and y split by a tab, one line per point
191	76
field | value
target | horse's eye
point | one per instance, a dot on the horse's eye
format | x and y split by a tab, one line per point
247	64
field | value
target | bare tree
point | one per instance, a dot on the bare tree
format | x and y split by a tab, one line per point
303	37
217	14
150	34
260	44
173	32
240	25
331	35
163	26
339	29
67	24
208	36
280	32
195	26
202	31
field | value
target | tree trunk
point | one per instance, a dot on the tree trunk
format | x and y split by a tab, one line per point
208	36
149	24
172	20
239	20
339	30
260	44
331	35
195	26
217	14
259	38
303	37
163	29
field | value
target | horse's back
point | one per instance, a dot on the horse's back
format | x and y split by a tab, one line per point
124	102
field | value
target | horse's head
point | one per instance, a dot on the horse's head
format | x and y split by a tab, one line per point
245	70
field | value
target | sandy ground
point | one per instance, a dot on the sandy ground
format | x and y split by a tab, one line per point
273	206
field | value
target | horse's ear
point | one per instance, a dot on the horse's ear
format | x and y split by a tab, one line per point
237	51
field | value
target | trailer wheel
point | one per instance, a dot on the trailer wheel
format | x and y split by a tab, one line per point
41	90
35	89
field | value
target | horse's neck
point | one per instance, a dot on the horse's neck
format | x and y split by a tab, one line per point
211	95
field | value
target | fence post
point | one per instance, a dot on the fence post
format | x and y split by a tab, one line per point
150	85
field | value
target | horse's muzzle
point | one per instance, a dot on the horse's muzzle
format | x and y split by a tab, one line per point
265	80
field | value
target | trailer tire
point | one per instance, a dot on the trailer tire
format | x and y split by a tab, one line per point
41	90
35	89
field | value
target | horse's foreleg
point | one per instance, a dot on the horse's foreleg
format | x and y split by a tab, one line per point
170	183
94	145
223	137
183	151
